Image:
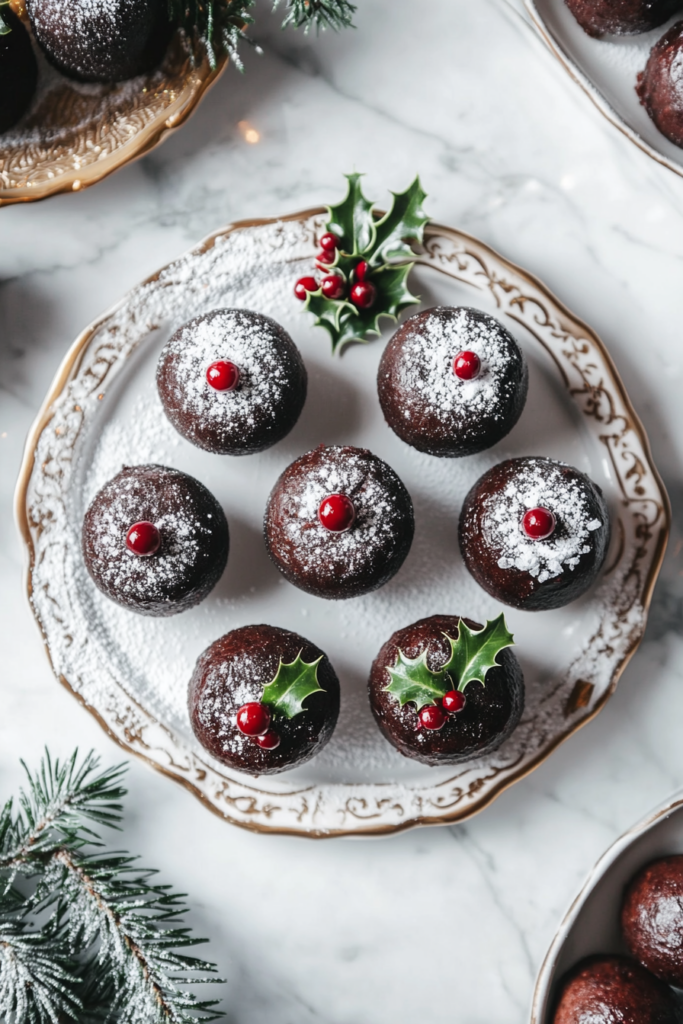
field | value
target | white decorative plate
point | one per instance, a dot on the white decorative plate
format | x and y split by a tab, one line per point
606	69
132	671
591	925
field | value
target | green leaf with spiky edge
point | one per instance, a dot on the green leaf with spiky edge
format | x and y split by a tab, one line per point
293	683
351	220
413	680
345	323
405	220
377	240
475	652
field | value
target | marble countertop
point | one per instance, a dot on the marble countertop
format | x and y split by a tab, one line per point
446	924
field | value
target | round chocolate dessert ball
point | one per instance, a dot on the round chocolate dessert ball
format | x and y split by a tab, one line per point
660	85
614	990
18	71
622	17
232	382
534	533
101	40
339	522
476	722
231	704
155	540
452	381
652	918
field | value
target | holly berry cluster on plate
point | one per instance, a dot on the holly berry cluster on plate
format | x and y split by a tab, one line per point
339	521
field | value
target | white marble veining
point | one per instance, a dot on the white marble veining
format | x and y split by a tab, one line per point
447	924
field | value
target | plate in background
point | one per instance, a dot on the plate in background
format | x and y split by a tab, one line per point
132	672
591	925
606	69
75	134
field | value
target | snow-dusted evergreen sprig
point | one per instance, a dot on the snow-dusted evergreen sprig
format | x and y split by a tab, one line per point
87	935
335	14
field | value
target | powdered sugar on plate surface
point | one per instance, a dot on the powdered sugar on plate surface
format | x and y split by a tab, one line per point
123	664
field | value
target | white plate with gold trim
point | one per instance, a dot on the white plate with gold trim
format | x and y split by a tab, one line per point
132	672
607	69
591	925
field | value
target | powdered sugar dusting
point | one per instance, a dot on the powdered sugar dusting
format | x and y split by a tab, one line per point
541	484
381	514
427	368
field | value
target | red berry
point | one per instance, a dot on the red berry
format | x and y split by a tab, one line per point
305	285
143	539
361	270
466	365
453	701
538	523
253	719
326	256
223	375
432	717
329	242
363	294
269	741
333	286
336	513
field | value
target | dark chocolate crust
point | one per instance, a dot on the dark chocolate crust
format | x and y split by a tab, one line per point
493	545
614	990
18	71
233	671
490	715
339	565
660	86
652	918
268	399
194	540
424	402
622	17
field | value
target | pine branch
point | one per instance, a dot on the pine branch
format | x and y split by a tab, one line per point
137	927
58	798
335	14
37	979
214	24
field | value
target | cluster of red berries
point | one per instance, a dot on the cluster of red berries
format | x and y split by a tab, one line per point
333	286
435	716
253	719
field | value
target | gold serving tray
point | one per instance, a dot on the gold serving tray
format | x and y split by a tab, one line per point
75	134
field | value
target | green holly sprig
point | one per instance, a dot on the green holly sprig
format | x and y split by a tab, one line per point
294	681
473	653
383	245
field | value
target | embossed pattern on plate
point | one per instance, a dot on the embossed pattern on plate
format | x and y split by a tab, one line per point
102	400
74	135
606	70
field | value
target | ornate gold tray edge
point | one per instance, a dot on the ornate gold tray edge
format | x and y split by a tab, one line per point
593	93
200	80
67	372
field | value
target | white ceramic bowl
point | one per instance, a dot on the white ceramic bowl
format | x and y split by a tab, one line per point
591	925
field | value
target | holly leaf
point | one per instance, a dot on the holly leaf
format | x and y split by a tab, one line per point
474	653
293	683
351	220
414	680
405	220
345	323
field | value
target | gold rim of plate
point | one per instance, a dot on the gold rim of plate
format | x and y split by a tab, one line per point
643	523
75	135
